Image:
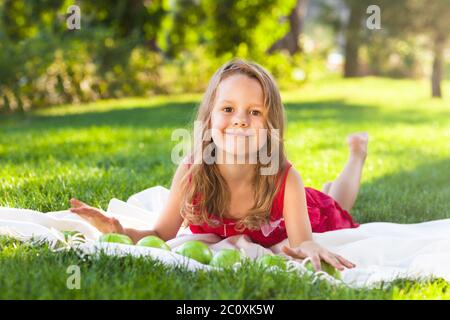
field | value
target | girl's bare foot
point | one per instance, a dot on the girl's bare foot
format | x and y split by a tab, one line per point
357	143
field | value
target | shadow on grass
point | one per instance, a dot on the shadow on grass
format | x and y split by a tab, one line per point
136	151
412	196
181	115
342	112
162	116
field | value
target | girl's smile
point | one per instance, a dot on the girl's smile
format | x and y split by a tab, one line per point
234	132
237	115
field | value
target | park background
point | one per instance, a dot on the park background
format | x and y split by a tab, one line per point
143	48
89	113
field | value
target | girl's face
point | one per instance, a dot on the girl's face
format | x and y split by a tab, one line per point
238	115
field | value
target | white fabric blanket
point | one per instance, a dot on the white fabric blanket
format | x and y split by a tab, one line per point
381	251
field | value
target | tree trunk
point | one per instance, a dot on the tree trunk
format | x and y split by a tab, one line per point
152	45
290	40
438	63
352	42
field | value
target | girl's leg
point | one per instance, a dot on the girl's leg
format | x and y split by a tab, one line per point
326	187
345	188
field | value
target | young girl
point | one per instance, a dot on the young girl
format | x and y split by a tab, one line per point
228	198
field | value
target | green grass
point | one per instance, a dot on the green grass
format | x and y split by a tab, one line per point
119	147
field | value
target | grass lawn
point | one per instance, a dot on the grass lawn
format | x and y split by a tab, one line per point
119	147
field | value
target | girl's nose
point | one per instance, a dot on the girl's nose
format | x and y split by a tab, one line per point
240	123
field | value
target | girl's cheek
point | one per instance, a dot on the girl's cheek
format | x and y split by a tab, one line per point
218	123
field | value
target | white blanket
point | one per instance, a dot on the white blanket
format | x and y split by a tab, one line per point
381	251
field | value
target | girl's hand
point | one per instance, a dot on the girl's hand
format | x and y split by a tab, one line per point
96	217
316	253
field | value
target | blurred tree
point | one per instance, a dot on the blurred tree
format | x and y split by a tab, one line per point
187	26
422	18
401	21
347	17
233	22
139	18
354	35
290	41
226	26
42	62
436	23
23	19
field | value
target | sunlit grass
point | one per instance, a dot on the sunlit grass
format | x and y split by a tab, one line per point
116	148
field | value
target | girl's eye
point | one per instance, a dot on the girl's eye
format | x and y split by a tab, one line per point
255	112
228	109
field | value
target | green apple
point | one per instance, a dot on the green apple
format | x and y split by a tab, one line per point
269	260
226	258
115	237
196	250
154	242
326	267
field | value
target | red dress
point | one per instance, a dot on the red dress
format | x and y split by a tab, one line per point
325	214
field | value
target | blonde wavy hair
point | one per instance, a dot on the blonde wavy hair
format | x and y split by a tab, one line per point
205	192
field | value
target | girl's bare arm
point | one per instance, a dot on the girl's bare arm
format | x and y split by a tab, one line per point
295	212
298	227
166	226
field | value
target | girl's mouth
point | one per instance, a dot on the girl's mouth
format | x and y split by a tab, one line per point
242	133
